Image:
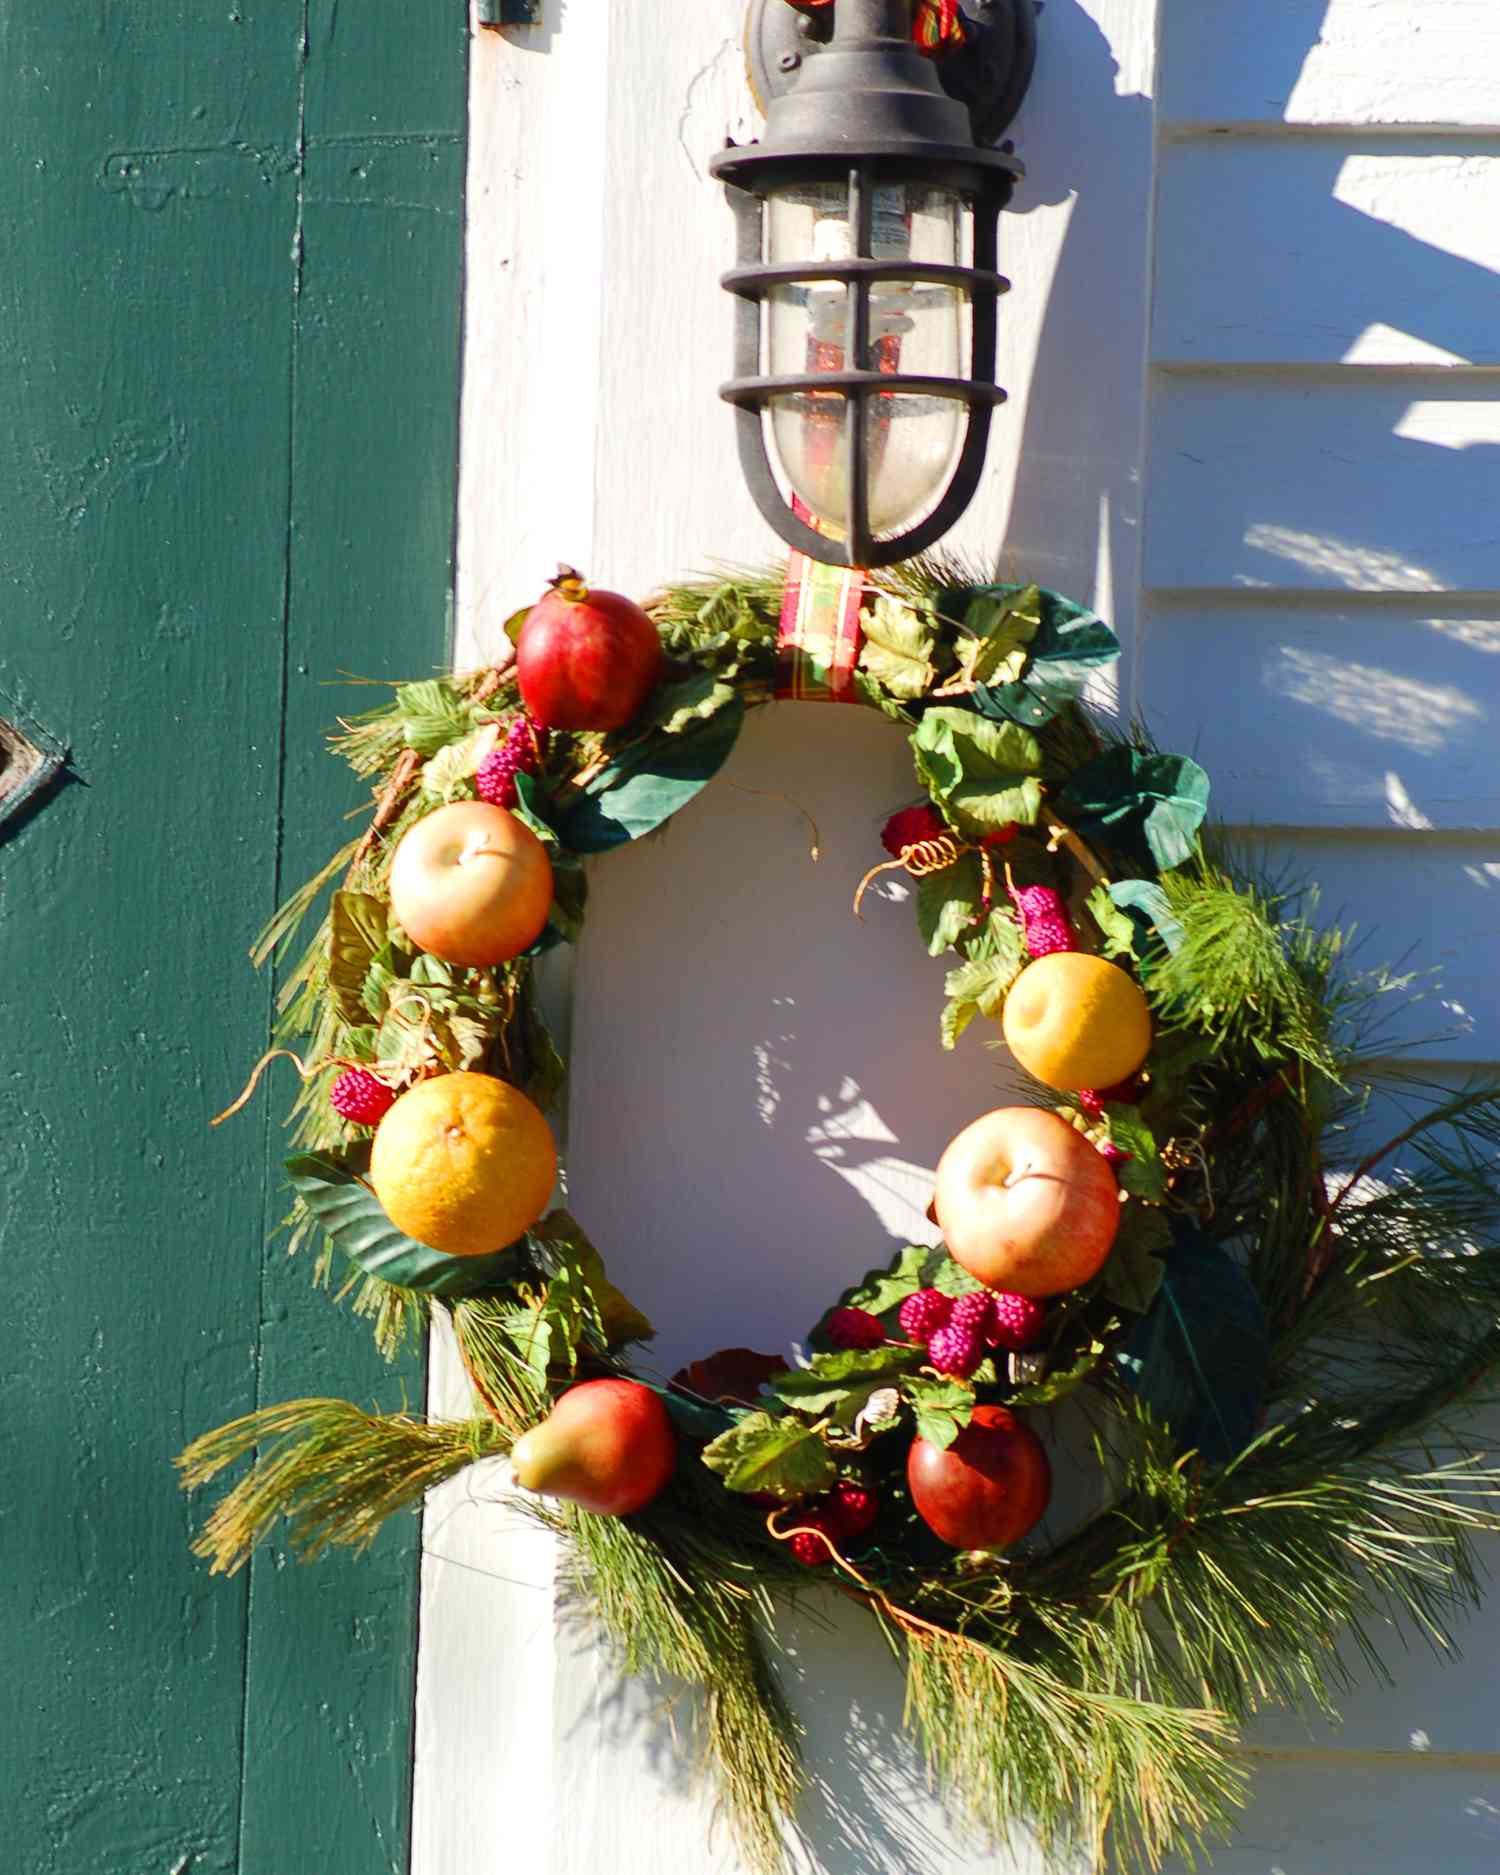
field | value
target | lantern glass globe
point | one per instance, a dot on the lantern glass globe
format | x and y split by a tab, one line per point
916	327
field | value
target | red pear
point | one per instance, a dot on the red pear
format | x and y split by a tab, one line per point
988	1488
586	659
608	1445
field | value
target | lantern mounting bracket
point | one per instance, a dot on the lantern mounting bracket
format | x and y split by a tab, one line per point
988	74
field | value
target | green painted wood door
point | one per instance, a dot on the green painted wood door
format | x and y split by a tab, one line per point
230	262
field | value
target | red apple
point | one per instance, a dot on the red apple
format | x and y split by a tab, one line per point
471	884
585	659
988	1488
1025	1203
609	1445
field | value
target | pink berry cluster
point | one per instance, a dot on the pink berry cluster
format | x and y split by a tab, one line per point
956	1330
360	1096
495	781
1045	923
841	1516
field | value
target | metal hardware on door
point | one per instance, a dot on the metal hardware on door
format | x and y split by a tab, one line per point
509	12
28	761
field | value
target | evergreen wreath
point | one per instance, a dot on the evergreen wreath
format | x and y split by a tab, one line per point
1273	1353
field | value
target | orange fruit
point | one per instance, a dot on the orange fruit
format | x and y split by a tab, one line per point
463	1163
1075	1020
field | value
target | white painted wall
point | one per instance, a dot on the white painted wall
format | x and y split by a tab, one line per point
1253	325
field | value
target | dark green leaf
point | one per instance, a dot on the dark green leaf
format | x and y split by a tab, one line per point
1069	645
1149	806
356	931
351	1217
647	783
536	809
1134	1272
897	648
781	1456
1148	908
559	1244
943	1408
1200	1359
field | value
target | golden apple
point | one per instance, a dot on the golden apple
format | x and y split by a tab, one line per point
1025	1203
471	884
1075	1020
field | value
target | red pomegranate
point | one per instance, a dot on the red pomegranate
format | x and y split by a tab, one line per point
585	659
988	1488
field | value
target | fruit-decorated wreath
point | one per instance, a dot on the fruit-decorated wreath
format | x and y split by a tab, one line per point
1175	1242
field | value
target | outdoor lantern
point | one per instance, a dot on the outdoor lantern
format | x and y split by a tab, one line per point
866	286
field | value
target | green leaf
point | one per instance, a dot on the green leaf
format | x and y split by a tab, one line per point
676	707
350	1215
1134	1271
536	809
432	714
356	931
647	783
1200	1359
1069	645
897	648
512	626
1151	912
950	1277
1004	624
1143	1175
1149	806
879	1291
949	902
1116	927
943	1408
839	1385
783	1457
983	774
559	1242
978	987
1062	1381
445	773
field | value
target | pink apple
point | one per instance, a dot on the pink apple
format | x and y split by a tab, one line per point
1025	1203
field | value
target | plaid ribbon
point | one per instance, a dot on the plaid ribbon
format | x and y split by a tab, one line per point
817	643
936	26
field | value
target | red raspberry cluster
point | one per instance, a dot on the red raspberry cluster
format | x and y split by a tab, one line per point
360	1096
495	781
854	1328
840	1517
956	1330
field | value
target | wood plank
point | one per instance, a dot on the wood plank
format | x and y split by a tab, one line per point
372	474
1327	251
1359	481
1316	1819
144	332
1338	62
1368	714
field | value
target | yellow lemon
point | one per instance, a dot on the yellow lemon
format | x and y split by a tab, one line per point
463	1163
1075	1020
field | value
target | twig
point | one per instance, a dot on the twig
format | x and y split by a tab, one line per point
388	806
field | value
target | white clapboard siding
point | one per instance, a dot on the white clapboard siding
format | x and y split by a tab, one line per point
1360	482
1371	712
1317	62
1328	250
